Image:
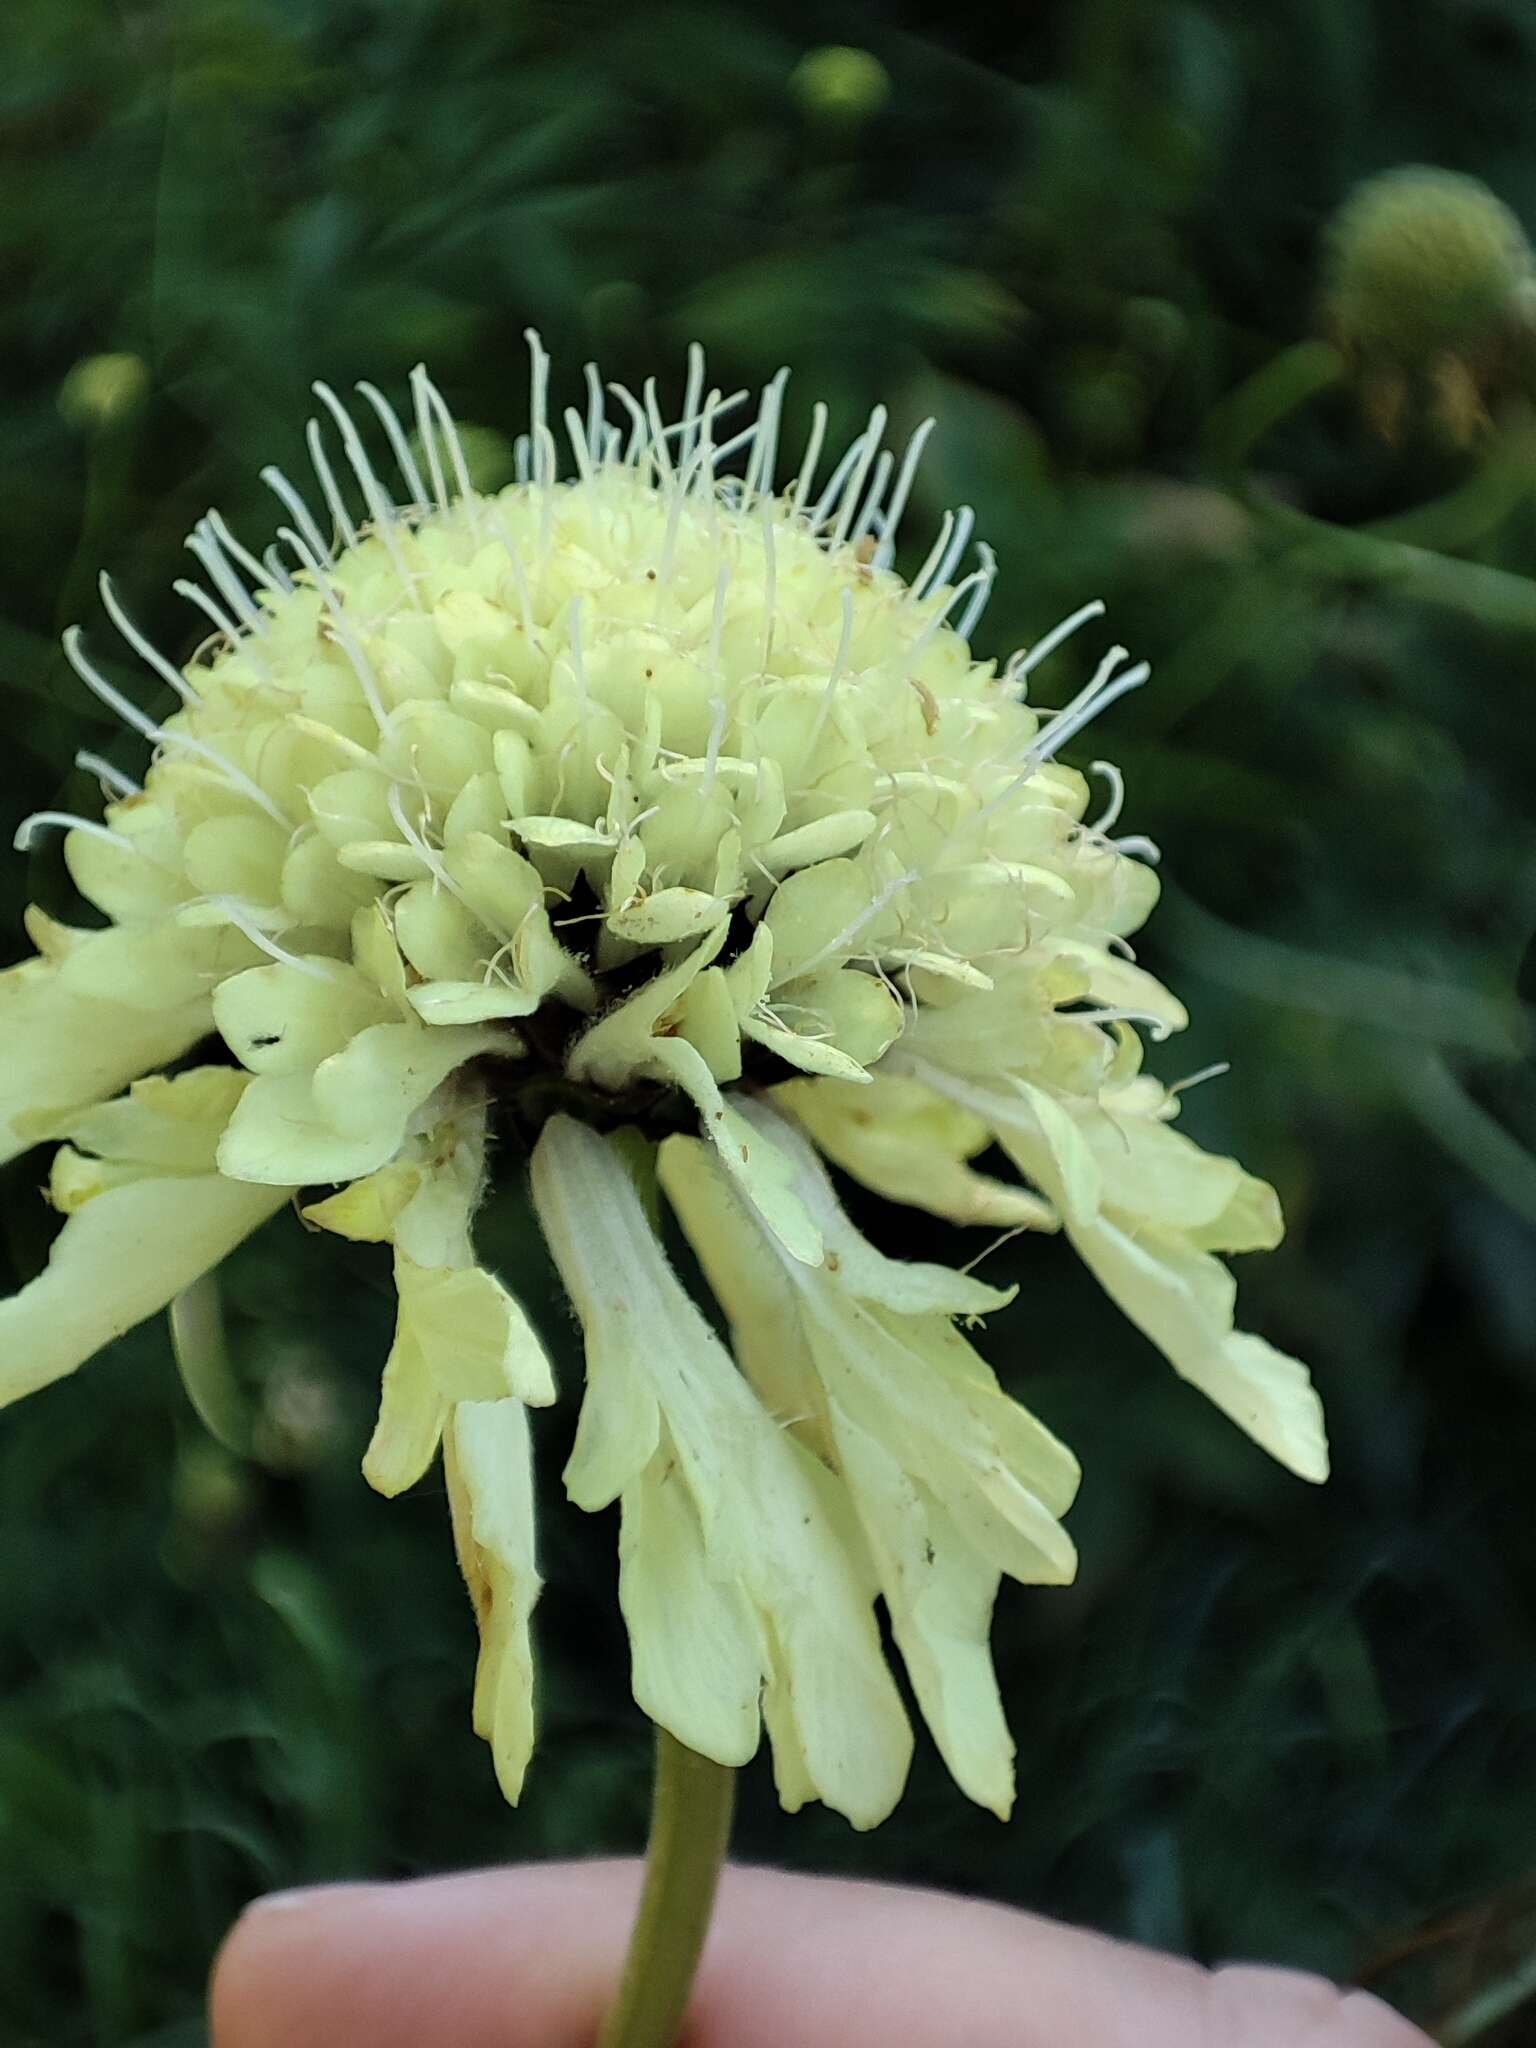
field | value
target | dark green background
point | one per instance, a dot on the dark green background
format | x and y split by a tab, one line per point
1268	1720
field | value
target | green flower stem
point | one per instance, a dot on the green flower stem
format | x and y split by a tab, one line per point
1280	387
690	1828
202	1358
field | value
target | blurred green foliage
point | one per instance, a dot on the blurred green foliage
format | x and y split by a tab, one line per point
1267	1721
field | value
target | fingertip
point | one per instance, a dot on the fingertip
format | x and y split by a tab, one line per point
521	1958
1262	2007
263	1981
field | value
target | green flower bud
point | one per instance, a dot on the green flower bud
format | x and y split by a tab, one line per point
101	391
840	83
1422	260
1428	276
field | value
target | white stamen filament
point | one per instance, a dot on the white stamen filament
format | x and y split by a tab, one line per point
581	447
258	570
869	448
400	446
1137	846
1097	696
380	507
417	842
346	639
978	580
66	821
243	919
658	432
203	543
142	645
835	673
113	778
920	581
965	520
716	739
871	511
302	517
851	930
438	406
905	477
1159	1027
541	439
426	434
277	574
770	583
597	416
158	735
717	619
810	458
824	506
1213	1072
693	391
970	618
765	446
1022	664
320	462
222	623
1116	803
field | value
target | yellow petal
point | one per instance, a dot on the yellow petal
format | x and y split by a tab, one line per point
285	1018
754	1524
119	1258
367	1210
816	917
488	1467
1183	1300
63	1050
940	1593
908	1144
475	1337
696	1661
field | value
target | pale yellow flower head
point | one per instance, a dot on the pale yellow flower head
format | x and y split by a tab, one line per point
641	796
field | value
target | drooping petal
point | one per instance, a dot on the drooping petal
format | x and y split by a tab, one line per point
908	1144
753	1159
728	1510
950	1481
63	1050
459	1335
697	1655
940	1591
1155	1174
412	1411
278	1137
487	1463
475	1336
1183	1301
815	1588
140	1228
1161	1206
636	1317
911	1287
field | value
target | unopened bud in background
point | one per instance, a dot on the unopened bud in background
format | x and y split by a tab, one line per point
1427	290
840	85
101	391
